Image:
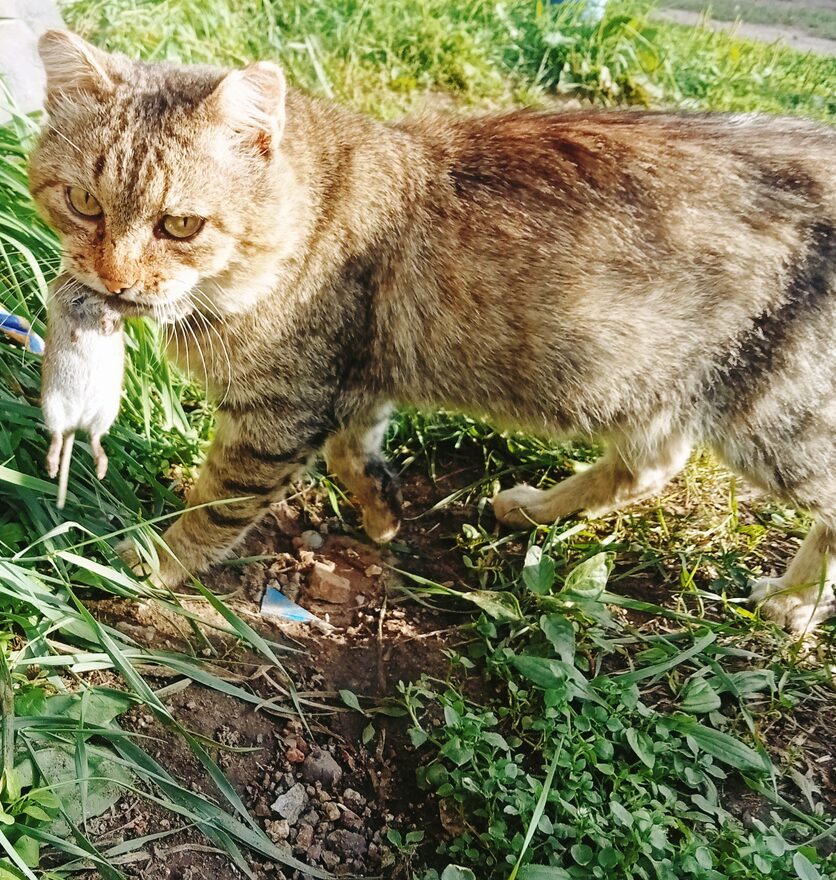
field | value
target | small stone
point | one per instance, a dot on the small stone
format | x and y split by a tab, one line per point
320	766
332	812
277	831
374	571
328	586
354	797
351	820
359	599
295	756
305	836
347	843
314	853
262	809
330	860
290	804
312	540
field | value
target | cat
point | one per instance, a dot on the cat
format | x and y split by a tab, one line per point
655	279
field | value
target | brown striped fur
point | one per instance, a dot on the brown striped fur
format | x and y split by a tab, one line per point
657	280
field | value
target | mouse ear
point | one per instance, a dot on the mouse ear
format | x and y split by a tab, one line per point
252	103
73	65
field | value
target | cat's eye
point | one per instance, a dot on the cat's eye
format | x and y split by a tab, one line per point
82	202
181	227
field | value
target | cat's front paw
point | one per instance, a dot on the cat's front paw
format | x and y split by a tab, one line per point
518	507
164	573
381	524
795	609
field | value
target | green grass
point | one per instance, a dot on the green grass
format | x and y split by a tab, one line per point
594	705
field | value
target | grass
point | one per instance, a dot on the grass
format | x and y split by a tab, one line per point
667	709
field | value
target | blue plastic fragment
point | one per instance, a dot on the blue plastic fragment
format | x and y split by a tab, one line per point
18	329
277	606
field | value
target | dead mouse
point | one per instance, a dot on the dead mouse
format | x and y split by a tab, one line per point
81	380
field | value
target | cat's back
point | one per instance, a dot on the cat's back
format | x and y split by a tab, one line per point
623	160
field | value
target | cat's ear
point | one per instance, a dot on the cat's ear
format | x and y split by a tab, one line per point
73	65
252	102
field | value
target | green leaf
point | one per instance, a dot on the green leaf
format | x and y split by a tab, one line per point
544	673
454	751
106	783
350	699
560	632
544	872
805	869
31	701
721	746
640	743
499	605
538	571
417	737
589	578
581	853
97	706
699	697
29	850
455	872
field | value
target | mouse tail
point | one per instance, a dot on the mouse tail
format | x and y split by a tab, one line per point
64	469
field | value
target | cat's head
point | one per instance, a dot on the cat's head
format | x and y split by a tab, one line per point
157	177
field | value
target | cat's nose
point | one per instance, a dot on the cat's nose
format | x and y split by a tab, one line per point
117	286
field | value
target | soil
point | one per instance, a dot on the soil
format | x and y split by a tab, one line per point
796	38
374	640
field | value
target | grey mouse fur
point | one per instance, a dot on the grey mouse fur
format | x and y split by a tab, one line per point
81	380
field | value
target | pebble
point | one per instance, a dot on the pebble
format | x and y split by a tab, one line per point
305	836
295	756
320	766
330	860
290	804
354	797
312	540
351	820
277	831
374	571
347	843
332	812
328	586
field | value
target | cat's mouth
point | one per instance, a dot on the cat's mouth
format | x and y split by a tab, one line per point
162	311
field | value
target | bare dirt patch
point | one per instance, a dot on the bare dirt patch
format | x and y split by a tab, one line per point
796	38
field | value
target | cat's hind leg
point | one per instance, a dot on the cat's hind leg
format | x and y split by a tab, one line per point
634	467
806	594
353	455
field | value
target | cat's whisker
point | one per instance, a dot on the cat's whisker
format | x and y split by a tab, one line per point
204	300
189	329
211	327
224	351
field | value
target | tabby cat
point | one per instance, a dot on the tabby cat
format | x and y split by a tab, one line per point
657	280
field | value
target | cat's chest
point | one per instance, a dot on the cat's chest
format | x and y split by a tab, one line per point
234	360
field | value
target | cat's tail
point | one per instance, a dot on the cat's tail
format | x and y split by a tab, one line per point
64	469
